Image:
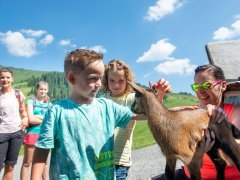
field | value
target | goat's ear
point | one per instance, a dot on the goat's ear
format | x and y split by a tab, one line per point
151	86
135	87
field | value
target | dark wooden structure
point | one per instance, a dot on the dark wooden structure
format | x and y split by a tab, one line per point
226	54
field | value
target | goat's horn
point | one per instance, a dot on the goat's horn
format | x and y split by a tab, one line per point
150	84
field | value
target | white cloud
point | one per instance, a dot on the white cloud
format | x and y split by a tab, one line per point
64	42
47	39
18	45
147	75
177	66
236	26
158	51
224	33
162	51
161	9
98	48
24	43
30	32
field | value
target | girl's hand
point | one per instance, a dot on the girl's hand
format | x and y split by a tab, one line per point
217	114
24	123
163	86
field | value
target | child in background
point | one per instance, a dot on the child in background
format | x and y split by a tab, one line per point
36	108
117	73
13	121
79	129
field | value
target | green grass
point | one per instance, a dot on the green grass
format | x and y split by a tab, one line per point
142	135
21	152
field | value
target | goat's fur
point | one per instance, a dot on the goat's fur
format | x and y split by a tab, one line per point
179	132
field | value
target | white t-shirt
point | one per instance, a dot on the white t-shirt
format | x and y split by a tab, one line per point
10	119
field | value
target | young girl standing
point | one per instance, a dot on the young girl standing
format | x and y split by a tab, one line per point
36	108
117	73
13	121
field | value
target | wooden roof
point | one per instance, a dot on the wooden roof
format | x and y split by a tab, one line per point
226	55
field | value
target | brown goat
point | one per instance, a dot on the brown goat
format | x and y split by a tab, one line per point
179	132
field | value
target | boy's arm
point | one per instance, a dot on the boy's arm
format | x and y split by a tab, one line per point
39	160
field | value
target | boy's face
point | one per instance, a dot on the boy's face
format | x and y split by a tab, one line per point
86	84
6	79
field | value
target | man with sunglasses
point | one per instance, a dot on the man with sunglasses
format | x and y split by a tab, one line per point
209	85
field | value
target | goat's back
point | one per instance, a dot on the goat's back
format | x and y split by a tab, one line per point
179	134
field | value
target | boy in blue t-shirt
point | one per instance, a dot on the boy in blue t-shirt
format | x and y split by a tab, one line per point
79	129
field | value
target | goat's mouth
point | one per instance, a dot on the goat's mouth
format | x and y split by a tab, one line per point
133	110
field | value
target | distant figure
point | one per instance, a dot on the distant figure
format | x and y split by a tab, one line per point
13	121
36	108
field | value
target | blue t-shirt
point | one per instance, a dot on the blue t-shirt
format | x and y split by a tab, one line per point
39	108
81	137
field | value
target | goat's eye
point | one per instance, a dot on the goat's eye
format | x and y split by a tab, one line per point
138	94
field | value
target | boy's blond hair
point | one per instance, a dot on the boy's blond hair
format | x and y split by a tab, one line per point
78	59
118	65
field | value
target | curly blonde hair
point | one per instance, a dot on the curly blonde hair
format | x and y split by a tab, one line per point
117	65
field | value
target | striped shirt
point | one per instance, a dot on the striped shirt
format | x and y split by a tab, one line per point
123	137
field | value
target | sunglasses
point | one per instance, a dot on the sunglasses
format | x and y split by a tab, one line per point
205	86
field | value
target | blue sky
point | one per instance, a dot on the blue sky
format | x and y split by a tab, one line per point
157	38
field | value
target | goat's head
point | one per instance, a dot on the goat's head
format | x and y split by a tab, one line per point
141	96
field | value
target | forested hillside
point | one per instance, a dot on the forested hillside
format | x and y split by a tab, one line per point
26	81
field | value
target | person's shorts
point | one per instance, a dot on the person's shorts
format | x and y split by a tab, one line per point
10	144
31	139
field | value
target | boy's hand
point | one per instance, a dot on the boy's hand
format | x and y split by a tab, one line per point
217	114
163	86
